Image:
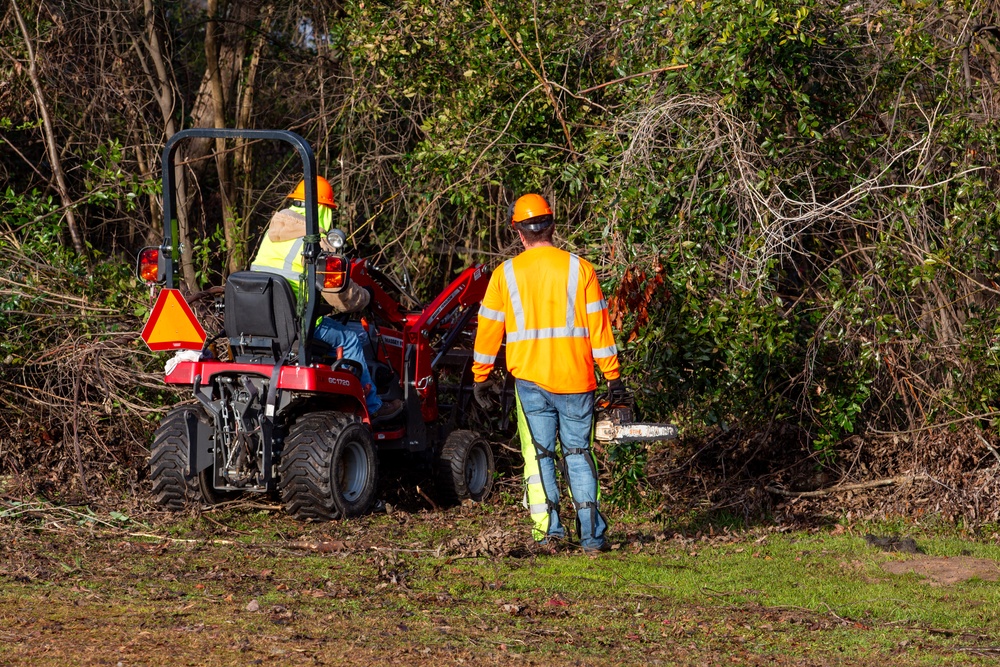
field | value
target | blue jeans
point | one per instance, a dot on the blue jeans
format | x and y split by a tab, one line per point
336	335
571	416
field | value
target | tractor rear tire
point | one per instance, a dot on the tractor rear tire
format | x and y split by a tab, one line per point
466	467
173	488
329	467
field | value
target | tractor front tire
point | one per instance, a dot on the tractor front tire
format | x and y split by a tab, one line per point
329	467
466	467
173	488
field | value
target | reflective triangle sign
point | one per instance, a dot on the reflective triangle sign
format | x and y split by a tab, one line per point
172	324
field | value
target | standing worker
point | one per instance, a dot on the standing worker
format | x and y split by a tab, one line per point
281	253
551	308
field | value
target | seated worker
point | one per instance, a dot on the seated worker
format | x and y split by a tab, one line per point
281	253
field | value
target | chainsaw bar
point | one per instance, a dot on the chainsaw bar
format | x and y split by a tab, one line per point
614	424
608	431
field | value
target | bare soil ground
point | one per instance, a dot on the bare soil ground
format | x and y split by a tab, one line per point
946	570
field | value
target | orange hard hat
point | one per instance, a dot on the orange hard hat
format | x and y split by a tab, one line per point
532	212
324	192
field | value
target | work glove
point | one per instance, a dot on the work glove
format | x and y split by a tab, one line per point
481	392
617	393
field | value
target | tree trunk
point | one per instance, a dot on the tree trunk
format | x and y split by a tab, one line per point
225	49
51	148
234	250
163	91
242	160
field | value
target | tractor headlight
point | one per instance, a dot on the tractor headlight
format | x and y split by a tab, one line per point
336	238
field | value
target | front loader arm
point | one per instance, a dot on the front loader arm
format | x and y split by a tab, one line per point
468	289
464	293
382	304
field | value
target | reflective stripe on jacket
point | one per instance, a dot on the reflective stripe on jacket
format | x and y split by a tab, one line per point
551	308
285	257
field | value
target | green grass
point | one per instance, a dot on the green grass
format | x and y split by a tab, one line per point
760	596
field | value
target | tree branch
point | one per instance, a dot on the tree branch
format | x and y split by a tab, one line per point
546	84
819	493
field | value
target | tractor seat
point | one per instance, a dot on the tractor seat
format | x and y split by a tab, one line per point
262	325
260	318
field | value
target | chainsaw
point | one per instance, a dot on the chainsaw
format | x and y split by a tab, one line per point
614	424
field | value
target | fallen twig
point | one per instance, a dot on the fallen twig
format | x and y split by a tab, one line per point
411	551
428	499
981	650
819	493
837	616
241	504
164	538
19	509
988	445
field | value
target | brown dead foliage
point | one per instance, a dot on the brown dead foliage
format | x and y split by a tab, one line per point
942	472
495	541
696	480
636	295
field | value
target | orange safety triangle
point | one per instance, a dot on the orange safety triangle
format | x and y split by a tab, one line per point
172	325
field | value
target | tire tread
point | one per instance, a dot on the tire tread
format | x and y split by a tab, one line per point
168	461
304	470
451	466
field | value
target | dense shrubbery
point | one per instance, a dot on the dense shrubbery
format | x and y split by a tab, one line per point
815	188
792	203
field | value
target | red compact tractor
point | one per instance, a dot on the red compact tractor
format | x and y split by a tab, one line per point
276	412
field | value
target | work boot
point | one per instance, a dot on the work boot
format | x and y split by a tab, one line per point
545	547
389	410
600	548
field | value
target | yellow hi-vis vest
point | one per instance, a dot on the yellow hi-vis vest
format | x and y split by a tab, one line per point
551	308
285	257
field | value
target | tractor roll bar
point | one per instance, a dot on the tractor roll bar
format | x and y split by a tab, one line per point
311	248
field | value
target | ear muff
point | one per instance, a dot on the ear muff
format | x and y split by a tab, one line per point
536	224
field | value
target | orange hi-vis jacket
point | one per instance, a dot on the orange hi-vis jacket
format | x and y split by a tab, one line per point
550	305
